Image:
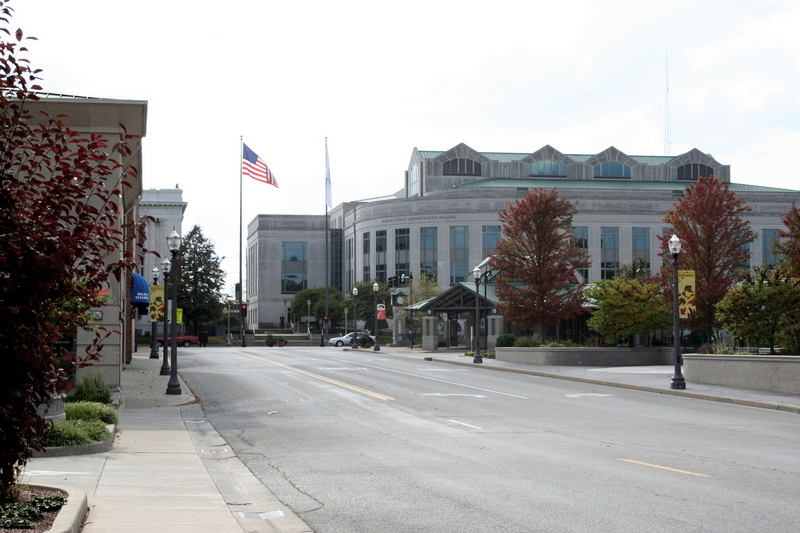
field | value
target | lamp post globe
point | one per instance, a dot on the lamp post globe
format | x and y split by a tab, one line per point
678	382
174	386
375	288
153	319
476	273
165	268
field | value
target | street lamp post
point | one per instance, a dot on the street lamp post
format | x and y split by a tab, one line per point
174	386
476	273
308	318
153	325
355	314
375	290
677	379
165	266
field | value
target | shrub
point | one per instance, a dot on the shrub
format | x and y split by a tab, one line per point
526	342
91	411
92	388
365	341
506	340
76	433
270	340
22	515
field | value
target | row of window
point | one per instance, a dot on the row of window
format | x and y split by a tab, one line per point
609	169
294	255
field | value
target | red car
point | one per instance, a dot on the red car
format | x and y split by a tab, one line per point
183	340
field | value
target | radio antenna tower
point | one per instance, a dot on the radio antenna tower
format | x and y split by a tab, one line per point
667	116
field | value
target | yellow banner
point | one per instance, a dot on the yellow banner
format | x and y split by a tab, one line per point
179	316
156	303
686	293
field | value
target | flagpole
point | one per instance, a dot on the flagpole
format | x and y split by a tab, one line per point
327	254
241	243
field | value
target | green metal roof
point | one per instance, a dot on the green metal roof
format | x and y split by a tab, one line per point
602	184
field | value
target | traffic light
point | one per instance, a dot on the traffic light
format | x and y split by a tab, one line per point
391	282
243	310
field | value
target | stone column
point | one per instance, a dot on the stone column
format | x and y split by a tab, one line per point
430	334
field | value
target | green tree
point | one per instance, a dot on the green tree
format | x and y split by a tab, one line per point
624	307
422	288
61	242
538	258
201	280
365	304
316	295
708	220
763	309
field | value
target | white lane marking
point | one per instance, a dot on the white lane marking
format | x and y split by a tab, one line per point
440	394
586	394
448	382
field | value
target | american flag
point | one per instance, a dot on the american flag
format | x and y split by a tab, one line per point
254	166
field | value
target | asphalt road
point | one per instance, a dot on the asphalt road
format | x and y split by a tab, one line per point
363	441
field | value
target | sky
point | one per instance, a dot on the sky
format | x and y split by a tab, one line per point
377	79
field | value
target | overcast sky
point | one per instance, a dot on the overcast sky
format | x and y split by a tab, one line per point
380	78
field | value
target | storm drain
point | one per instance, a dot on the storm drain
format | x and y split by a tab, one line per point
263	516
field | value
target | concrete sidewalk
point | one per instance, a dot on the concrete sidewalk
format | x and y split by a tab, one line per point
655	379
169	470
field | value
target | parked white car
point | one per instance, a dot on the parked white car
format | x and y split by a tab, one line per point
345	341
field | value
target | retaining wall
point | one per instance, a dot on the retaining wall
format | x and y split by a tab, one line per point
586	356
775	373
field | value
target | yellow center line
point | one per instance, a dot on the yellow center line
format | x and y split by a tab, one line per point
323	378
464	424
665	468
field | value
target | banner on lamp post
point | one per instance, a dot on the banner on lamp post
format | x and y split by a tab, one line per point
156	303
381	312
686	293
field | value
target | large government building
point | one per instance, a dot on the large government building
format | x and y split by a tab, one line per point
444	221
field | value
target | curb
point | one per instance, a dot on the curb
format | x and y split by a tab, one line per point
643	388
70	517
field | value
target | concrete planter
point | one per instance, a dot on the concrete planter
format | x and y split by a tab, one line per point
586	356
775	373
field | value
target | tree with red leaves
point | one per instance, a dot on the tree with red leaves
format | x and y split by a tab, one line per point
538	259
61	240
790	248
713	234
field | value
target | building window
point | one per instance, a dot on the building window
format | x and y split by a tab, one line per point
365	248
380	255
612	169
769	238
609	252
640	242
491	234
413	181
693	171
581	236
746	263
459	254
294	267
429	252
350	265
461	167
548	168
402	245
